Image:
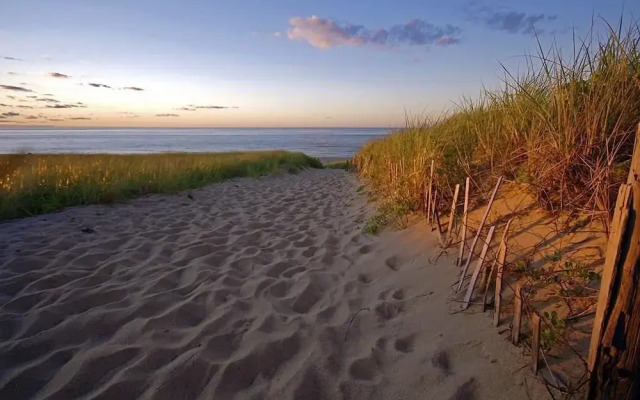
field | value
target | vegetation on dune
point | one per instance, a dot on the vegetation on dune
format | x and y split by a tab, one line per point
564	128
346	165
33	184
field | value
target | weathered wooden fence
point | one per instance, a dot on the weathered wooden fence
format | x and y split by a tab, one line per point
614	352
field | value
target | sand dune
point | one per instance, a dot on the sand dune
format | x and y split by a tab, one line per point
250	289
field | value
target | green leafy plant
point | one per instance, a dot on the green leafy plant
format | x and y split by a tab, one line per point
581	272
553	257
388	213
555	328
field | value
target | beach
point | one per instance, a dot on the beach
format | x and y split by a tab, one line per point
261	288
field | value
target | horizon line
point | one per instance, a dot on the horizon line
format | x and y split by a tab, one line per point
5	127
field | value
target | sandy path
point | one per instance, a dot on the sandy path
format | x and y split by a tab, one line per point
246	291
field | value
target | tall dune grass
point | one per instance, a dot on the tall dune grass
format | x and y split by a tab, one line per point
39	183
566	128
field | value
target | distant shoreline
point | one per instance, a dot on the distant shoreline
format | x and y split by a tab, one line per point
48	127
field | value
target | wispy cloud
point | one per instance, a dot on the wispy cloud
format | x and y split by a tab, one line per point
66	106
134	88
30	117
4	105
512	22
79	118
326	33
185	109
209	107
55	119
99	85
9	114
167	115
11	58
23	106
12	73
16	88
47	100
58	75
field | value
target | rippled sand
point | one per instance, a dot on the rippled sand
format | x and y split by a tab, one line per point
251	289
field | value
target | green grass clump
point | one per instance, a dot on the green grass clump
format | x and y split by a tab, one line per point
346	165
388	213
564	128
33	184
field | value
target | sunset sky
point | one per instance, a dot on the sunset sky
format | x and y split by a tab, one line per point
267	63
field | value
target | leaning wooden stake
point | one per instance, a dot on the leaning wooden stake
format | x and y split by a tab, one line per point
535	341
475	239
497	300
476	272
517	314
436	218
429	195
614	352
487	277
463	236
453	214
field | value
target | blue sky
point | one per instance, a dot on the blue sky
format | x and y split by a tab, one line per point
267	62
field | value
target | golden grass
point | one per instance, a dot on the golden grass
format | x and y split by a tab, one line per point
39	183
564	128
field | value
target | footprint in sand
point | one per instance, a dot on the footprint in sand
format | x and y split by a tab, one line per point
365	369
398	294
393	263
405	344
388	310
441	361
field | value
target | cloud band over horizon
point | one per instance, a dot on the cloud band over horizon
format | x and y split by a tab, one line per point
326	33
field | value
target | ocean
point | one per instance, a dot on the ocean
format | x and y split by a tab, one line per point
324	143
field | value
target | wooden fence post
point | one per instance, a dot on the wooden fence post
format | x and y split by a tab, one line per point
517	314
497	300
535	341
503	243
475	239
436	219
465	217
476	272
614	351
452	216
429	195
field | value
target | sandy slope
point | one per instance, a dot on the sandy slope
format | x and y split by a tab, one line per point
253	289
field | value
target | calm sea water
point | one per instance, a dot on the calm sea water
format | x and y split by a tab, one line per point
317	142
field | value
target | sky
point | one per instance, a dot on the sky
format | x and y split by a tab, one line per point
269	63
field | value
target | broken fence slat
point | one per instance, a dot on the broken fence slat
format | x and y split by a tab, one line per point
475	239
517	315
429	195
441	237
487	283
498	292
618	223
476	272
535	342
452	215
465	217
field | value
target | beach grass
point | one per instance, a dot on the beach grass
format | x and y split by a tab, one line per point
346	165
32	184
565	128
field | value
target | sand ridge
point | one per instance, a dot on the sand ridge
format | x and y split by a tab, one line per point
250	289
